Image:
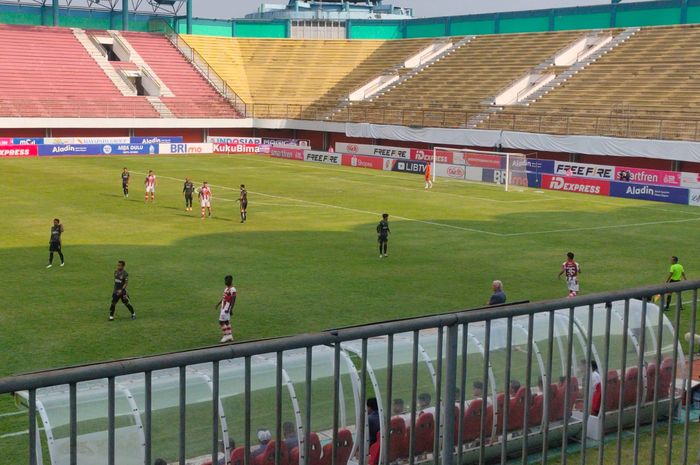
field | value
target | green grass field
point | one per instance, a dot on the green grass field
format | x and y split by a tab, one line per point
306	260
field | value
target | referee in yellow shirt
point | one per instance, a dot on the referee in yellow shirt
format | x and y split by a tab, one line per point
675	274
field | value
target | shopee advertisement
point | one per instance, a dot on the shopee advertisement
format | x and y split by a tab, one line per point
363	161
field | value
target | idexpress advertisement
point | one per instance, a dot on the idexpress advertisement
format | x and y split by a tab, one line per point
645	176
234	140
584	170
175	149
648	192
97	149
407	166
322	157
426	155
362	161
241	148
288	153
18	151
573	184
376	150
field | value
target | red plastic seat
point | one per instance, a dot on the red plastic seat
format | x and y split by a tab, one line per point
630	392
612	395
374	451
472	420
343	448
425	433
666	380
238	456
268	457
516	410
556	403
536	411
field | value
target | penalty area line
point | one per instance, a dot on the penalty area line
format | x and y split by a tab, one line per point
349	209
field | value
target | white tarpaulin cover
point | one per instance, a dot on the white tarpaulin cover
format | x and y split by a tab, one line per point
592	145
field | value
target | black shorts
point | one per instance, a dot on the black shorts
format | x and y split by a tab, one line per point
125	185
124	297
54	246
244	205
382	239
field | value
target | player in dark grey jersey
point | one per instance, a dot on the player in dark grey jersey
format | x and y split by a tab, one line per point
188	189
121	281
383	235
55	242
243	200
125	182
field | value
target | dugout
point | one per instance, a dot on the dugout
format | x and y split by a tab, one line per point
280	394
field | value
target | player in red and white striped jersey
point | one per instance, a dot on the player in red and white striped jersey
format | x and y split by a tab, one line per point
150	184
571	270
225	307
205	198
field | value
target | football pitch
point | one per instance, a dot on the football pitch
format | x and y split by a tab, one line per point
306	260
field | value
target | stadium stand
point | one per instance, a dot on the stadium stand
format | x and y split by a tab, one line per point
293	78
649	77
193	95
462	80
69	84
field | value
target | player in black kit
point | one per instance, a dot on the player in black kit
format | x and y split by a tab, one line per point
121	281
125	182
188	190
243	199
55	242
383	235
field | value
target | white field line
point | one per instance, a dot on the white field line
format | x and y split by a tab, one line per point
446	225
17	433
11	414
594	228
354	210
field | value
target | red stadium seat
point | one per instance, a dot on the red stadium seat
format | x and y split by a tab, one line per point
630	392
612	395
268	457
425	433
666	381
398	446
238	456
343	448
573	393
374	451
536	410
472	420
516	410
556	403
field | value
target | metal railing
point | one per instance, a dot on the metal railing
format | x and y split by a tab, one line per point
637	348
202	65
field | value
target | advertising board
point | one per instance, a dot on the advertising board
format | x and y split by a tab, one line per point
175	149
316	156
362	161
584	170
86	140
288	153
694	197
240	148
575	184
97	149
375	150
690	180
18	151
277	141
234	140
409	166
646	176
535	165
631	190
